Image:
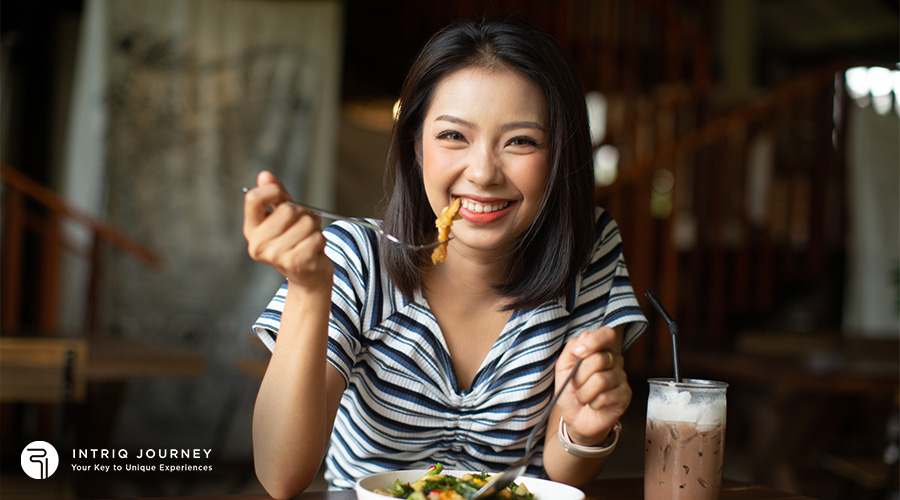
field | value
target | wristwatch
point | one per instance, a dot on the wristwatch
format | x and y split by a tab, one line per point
578	450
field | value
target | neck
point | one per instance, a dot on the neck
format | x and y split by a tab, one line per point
468	280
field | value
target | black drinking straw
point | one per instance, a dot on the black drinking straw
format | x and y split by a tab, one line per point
673	328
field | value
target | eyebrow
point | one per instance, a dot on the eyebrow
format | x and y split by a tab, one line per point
506	126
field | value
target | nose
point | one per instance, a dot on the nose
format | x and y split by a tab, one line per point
485	167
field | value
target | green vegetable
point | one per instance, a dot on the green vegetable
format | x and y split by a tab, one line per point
400	490
466	487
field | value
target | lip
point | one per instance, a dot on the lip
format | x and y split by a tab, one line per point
485	218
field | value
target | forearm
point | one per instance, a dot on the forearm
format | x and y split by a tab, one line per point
564	467
290	418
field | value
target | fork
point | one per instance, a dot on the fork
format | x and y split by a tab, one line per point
359	222
505	478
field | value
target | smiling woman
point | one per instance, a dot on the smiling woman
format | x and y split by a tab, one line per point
382	360
484	142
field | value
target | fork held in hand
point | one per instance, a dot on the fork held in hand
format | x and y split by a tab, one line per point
359	222
505	478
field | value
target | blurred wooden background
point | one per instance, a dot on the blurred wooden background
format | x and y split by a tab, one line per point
728	120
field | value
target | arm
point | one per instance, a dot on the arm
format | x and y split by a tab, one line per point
300	392
595	399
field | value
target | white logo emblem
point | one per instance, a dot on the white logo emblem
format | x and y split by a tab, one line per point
39	460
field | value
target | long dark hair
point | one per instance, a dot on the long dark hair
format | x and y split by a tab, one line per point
549	254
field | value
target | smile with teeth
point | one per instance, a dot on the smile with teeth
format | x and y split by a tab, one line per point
483	208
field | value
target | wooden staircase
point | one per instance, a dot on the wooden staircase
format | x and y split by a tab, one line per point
725	216
32	255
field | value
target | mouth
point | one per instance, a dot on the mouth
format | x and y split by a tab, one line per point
483	207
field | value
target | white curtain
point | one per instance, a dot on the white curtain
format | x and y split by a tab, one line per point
178	104
873	246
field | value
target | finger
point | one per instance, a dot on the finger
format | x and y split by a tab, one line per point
266	177
602	390
602	361
308	254
589	365
267	180
292	225
575	349
617	398
591	347
260	226
595	375
255	210
280	232
591	342
611	358
274	243
257	201
597	383
305	257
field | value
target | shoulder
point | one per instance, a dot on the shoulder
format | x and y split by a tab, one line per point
351	243
360	278
607	260
353	237
607	240
605	226
354	251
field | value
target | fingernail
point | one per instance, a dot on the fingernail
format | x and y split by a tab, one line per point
579	351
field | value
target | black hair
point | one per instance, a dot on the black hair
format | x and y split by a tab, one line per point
553	250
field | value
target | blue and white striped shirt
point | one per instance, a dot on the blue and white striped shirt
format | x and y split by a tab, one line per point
402	407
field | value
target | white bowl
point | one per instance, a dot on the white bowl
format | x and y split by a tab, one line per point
542	488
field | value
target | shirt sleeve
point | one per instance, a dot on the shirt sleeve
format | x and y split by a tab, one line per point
603	293
349	248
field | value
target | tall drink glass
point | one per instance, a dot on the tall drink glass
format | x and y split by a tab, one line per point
685	440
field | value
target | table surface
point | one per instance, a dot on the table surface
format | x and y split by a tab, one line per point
604	489
124	360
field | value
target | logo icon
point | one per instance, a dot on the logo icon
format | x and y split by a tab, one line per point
39	459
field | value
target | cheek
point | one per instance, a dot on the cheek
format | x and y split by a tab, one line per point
436	159
532	178
431	168
437	175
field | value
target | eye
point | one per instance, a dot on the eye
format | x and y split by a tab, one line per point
524	141
451	135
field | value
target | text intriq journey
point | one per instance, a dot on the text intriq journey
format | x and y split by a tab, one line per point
152	453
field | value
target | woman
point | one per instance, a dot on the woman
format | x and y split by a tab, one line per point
384	360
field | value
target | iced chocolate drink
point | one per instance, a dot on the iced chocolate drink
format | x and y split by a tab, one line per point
685	440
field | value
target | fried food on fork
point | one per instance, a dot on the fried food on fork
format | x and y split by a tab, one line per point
443	223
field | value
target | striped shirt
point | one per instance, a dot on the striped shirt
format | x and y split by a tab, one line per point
402	407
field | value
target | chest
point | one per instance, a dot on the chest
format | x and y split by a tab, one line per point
469	336
466	361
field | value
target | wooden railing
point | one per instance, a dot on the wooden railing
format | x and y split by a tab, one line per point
704	254
32	209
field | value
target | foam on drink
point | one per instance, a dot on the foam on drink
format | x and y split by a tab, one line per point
675	405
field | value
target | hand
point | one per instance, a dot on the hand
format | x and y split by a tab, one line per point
599	393
289	239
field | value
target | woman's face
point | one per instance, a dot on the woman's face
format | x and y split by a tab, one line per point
484	139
